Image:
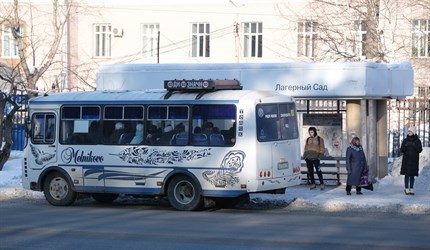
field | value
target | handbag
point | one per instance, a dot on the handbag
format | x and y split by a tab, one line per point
364	179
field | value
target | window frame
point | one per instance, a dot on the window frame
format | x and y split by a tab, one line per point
149	38
9	47
200	40
43	132
252	39
359	43
307	39
420	38
102	40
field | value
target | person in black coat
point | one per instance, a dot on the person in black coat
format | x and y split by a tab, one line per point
411	148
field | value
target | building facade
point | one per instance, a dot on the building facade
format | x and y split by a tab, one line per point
103	32
217	31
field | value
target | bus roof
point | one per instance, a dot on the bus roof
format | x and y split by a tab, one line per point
154	96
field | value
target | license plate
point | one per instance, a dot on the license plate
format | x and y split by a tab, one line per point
283	165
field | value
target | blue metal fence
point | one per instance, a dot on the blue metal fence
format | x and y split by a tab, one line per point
18	137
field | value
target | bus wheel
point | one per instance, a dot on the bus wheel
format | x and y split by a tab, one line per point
58	191
104	198
184	194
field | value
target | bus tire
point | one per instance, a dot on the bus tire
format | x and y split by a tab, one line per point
58	190
104	198
184	194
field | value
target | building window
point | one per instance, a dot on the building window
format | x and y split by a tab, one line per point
9	46
200	39
420	38
307	39
102	40
359	43
150	39
252	39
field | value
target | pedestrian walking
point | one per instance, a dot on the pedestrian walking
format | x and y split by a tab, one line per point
411	148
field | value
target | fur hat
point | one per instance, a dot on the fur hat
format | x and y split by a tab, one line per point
413	130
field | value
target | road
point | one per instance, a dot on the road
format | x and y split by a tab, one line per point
89	225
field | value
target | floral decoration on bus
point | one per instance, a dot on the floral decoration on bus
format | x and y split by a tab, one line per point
144	155
231	165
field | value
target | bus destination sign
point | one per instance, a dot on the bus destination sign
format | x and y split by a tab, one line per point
201	84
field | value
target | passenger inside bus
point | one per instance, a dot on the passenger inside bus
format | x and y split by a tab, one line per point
116	134
153	135
138	138
180	137
208	129
167	135
216	138
198	137
93	130
231	135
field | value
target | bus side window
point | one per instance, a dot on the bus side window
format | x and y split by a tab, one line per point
216	123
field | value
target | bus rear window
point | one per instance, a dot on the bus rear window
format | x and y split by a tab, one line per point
276	122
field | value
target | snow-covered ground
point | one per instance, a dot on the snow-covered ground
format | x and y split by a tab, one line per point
387	196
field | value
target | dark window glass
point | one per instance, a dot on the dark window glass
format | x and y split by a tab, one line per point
113	112
267	122
288	121
133	113
71	113
213	125
214	111
276	122
178	112
157	112
91	113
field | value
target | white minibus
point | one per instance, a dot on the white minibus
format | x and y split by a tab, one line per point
194	140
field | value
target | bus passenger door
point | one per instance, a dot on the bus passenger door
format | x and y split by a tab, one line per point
43	141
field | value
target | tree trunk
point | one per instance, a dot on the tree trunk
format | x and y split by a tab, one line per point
7	128
8	140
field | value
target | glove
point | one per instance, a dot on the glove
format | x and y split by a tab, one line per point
349	171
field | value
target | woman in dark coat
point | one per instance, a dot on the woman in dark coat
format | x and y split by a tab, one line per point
355	165
411	148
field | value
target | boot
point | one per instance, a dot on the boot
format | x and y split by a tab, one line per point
411	191
322	187
348	192
407	191
359	193
313	186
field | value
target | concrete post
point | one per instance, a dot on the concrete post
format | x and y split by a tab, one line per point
353	120
363	126
372	140
382	153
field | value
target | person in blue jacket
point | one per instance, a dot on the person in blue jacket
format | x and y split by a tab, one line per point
411	148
